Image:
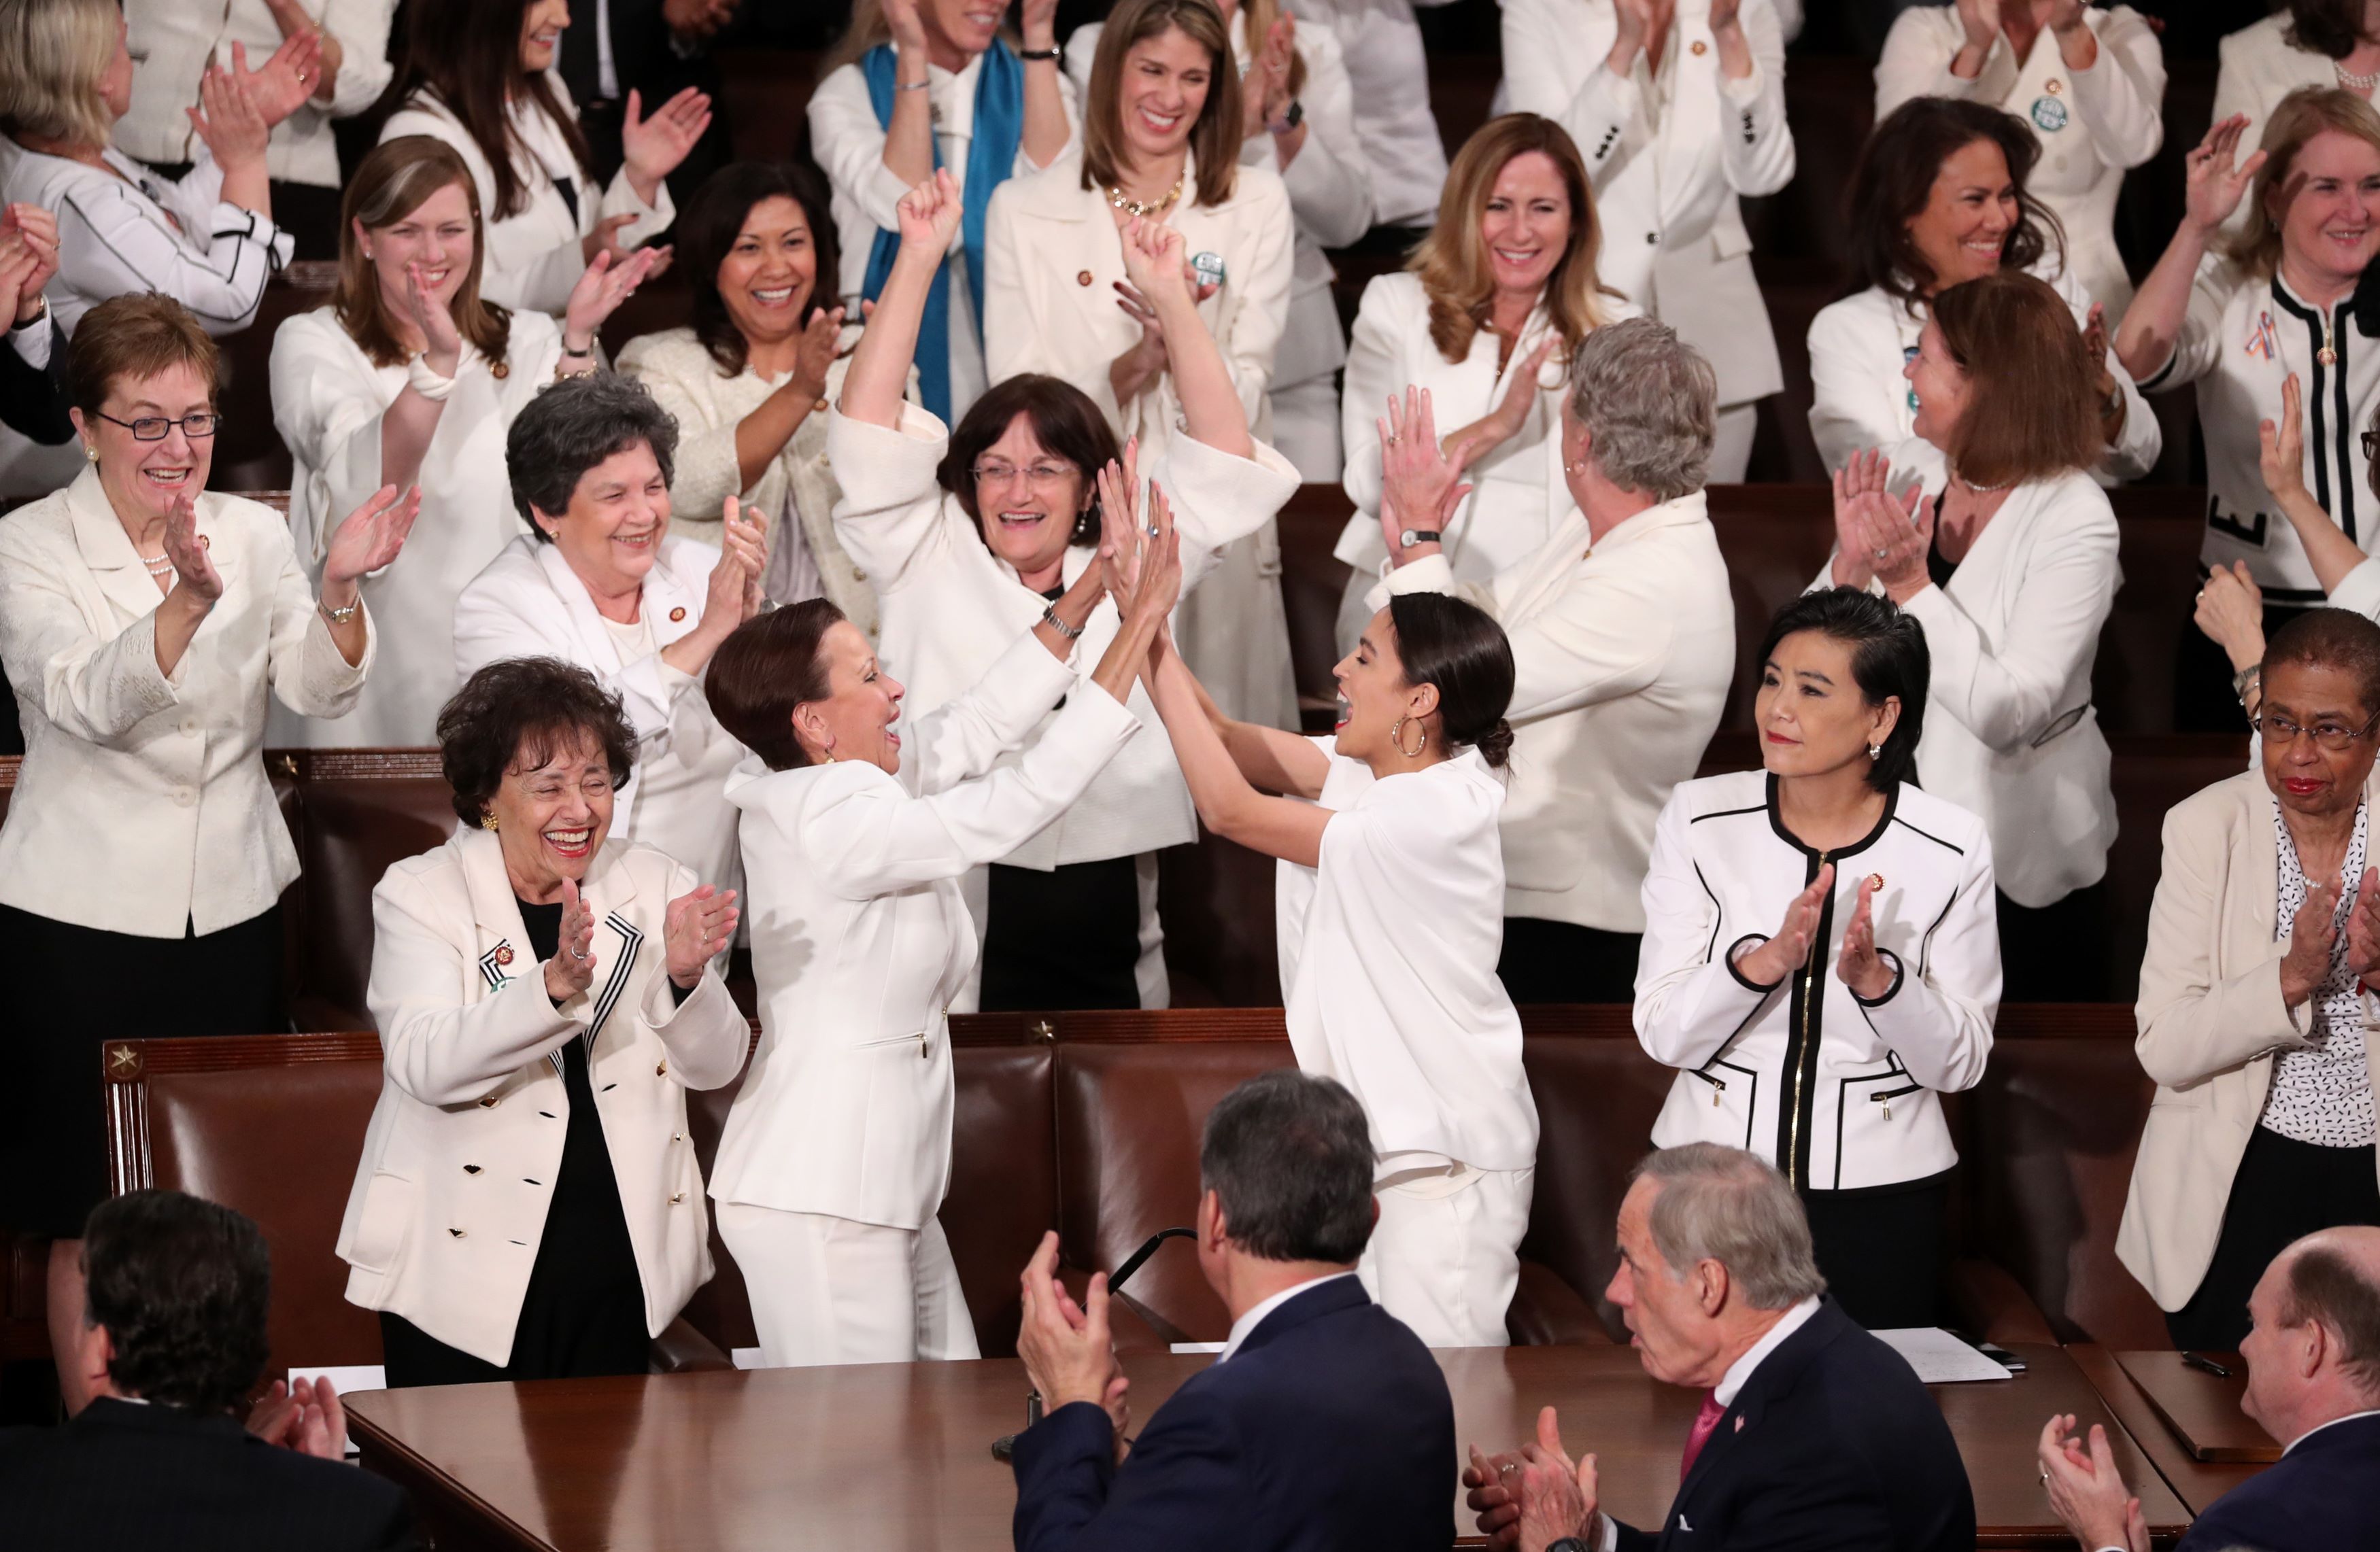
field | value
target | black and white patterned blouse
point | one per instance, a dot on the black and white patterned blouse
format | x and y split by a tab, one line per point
2323	1094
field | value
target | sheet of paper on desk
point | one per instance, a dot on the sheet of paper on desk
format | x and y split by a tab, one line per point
1938	1357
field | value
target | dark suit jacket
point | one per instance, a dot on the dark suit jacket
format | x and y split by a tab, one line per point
32	399
1831	1443
124	1476
2324	1496
1331	1427
645	58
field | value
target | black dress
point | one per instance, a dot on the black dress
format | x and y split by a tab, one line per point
583	1313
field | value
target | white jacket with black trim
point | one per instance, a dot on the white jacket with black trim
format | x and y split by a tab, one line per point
1839	1092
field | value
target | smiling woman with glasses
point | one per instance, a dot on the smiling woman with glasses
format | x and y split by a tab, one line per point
149	621
2264	948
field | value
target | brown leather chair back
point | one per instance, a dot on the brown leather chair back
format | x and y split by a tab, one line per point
273	1126
362	810
1003	1175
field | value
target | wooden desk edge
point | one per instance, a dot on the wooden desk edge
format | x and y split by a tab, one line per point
433	1491
2192	1480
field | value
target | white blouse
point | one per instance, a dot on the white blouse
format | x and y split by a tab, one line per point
2321	1091
141	232
328	400
533	256
1388	954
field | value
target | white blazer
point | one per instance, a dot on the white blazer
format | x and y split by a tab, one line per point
529	603
1723	870
2091	124
1860	400
1622	650
860	939
1519	497
1052	257
459	1161
2010	733
951	607
1389	948
1669	158
142	805
2255	67
328	399
533	257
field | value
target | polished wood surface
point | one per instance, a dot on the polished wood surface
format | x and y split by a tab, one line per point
899	1456
2203	1409
2197	1483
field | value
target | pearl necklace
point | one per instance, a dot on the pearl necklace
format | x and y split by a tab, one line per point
2351	82
1136	207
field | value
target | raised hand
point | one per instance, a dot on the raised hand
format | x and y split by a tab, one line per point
697	930
37	231
903	19
1158	586
1980	21
1502	424
1119	535
1068	1353
228	120
2281	445
1419	481
1896	534
281	85
572	968
195	575
1768	963
605	284
369	537
821	338
1863	474
652	147
1637	24
441	342
1153	265
2311	933
605	238
1725	14
743	556
930	215
1859	965
2215	177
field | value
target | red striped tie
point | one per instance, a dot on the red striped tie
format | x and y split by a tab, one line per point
1705	1424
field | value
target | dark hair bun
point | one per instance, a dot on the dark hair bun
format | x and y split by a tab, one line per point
1494	745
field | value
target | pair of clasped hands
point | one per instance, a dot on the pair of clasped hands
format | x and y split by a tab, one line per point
697	930
2314	934
1861	967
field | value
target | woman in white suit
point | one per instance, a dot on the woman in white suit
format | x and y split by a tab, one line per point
1298	117
480	75
143	856
528	1206
2004	549
2318	43
408	377
1942	194
837	1153
2263	945
1484	318
600	581
1161	142
1679	111
2089	81
969	535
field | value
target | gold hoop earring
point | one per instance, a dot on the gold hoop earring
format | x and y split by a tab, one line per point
488	820
1397	737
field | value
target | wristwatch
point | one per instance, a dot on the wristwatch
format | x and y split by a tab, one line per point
1292	116
41	316
1037	53
1411	536
1566	1544
1050	618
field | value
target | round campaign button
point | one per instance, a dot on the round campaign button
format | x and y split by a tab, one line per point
2049	113
1209	267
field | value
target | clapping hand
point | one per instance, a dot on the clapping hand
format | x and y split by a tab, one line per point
28	259
290	16
743	558
606	283
1503	423
821	340
369	537
2307	964
2086	1491
1068	1353
2280	444
280	86
194	573
228	120
1160	583
441	342
2363	929
1120	536
2213	176
652	147
1859	965
2231	612
1556	1494
1264	90
307	1418
1419	485
1876	532
930	215
1979	20
1493	1495
699	927
1767	963
572	968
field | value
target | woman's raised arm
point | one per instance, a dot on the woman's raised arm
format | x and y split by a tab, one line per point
879	368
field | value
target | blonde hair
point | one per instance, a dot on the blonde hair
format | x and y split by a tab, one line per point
867	28
1257	18
2299	117
56	51
1452	260
1214	139
392	182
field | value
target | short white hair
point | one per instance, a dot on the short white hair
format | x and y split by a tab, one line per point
1650	403
1724	1204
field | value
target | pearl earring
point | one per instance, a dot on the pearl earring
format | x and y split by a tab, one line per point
1875	751
91	452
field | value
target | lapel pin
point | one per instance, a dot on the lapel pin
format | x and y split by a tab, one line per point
676	614
1083	278
1875	880
1209	267
504	953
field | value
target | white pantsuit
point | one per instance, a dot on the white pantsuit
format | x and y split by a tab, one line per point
328	401
1388	950
860	944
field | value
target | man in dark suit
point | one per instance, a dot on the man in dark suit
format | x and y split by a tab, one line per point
656	48
1812	1433
173	1341
1325	1424
2313	1351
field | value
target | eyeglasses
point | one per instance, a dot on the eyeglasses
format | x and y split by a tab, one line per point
1041	475
2334	736
152	428
2371	445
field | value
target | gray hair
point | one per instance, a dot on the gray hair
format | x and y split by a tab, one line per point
1649	402
1724	1204
56	52
1291	1158
2326	1284
573	425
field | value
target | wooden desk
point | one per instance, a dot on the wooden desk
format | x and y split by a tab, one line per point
898	1456
2197	1483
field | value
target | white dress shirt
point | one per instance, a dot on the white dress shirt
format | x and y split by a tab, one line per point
849	144
1860	400
1738	1372
137	232
1622	651
534	256
174	41
328	401
143	806
2093	123
1245	1327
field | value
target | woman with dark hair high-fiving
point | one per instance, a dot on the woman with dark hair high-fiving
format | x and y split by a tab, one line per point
1392	912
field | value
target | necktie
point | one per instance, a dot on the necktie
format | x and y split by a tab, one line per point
1705	1424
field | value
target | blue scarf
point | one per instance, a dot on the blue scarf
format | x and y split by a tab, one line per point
991	156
